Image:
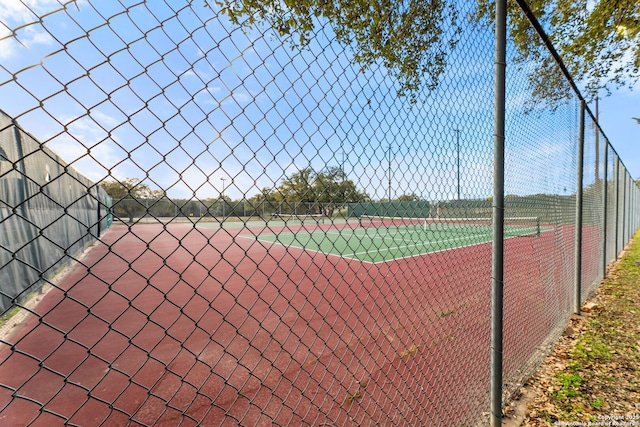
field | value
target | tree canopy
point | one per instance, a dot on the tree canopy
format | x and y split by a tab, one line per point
411	38
126	195
325	189
130	188
598	41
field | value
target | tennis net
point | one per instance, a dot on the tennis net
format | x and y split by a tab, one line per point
310	219
514	226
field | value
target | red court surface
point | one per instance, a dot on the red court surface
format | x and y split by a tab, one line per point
176	325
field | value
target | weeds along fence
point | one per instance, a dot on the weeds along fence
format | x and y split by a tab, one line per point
174	108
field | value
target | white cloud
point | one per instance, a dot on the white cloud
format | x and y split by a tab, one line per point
95	163
188	73
88	146
34	37
17	11
104	119
14	14
8	48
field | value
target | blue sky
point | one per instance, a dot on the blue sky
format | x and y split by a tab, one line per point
615	113
176	95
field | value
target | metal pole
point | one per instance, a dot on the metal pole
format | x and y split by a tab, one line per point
389	172
578	249
624	210
621	207
222	196
497	265
458	158
98	224
634	196
617	207
605	183
625	224
597	172
629	203
632	199
628	222
629	230
30	229
631	206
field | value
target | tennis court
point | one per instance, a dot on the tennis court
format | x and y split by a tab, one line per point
226	330
381	239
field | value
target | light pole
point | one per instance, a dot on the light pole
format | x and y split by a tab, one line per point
389	172
457	131
222	195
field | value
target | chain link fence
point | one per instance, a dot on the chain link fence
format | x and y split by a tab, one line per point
210	210
249	231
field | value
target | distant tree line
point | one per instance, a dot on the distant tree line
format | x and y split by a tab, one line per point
303	192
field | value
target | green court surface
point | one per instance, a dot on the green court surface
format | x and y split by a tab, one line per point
385	241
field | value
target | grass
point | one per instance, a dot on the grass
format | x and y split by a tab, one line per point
8	315
594	372
28	301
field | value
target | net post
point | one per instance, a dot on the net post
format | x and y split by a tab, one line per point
579	206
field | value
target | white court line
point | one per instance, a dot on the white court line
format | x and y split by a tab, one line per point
467	237
351	256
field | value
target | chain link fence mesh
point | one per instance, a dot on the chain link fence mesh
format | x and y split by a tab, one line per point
611	220
248	232
540	154
592	240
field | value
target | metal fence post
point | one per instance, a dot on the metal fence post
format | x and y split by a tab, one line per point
617	247
605	183
629	209
31	229
628	206
497	267
631	201
629	232
99	219
624	211
635	204
579	202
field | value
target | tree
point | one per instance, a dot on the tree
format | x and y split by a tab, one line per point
297	188
318	192
411	38
264	202
126	195
333	188
599	42
408	198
